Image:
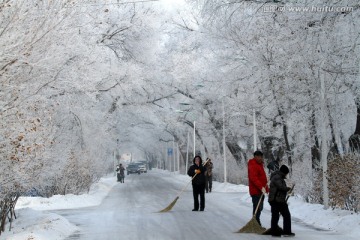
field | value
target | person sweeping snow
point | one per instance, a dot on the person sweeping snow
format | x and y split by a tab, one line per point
277	201
257	182
197	171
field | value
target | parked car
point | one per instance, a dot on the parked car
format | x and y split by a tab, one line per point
133	168
142	167
146	164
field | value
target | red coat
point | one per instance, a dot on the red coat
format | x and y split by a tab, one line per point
257	177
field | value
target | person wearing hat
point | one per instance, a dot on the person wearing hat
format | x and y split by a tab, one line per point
277	201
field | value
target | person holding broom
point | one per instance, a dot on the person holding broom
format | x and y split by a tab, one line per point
197	171
257	182
277	201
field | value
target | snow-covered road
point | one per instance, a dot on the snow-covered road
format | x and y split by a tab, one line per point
130	212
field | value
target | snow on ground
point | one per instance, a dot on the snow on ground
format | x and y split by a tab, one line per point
35	223
96	194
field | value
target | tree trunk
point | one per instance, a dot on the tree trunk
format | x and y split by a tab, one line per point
271	150
287	145
334	149
236	151
284	127
354	139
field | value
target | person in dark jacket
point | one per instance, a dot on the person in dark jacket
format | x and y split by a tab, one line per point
274	165
277	201
208	175
120	173
197	171
257	182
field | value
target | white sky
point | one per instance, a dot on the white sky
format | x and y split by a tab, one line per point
130	209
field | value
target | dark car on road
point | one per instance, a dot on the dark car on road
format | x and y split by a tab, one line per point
133	168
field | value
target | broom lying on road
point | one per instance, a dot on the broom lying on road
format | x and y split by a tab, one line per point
253	226
168	208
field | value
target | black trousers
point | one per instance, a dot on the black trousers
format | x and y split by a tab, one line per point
208	184
120	177
276	210
199	190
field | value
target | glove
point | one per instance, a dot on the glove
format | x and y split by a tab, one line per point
263	190
197	171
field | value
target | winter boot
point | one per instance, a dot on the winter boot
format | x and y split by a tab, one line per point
289	234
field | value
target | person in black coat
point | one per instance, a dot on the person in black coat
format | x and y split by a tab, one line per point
274	165
197	171
120	173
277	201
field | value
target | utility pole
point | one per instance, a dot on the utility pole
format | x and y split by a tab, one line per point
323	143
114	156
194	139
187	152
178	156
254	121
174	155
224	143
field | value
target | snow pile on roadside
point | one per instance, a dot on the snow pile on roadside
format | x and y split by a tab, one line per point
96	194
341	221
33	223
38	225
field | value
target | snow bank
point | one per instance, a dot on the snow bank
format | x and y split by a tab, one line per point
34	223
96	194
38	225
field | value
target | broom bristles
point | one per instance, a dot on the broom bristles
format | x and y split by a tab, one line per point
252	227
168	208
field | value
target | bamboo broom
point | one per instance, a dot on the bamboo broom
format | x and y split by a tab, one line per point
253	226
170	206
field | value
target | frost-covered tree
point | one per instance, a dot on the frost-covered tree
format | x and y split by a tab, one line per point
59	62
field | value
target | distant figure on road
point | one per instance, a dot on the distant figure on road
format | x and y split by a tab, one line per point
208	175
120	170
198	183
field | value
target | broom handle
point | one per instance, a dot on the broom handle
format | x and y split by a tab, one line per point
186	185
190	181
257	207
290	191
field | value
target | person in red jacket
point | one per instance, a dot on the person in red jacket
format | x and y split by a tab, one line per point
257	182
